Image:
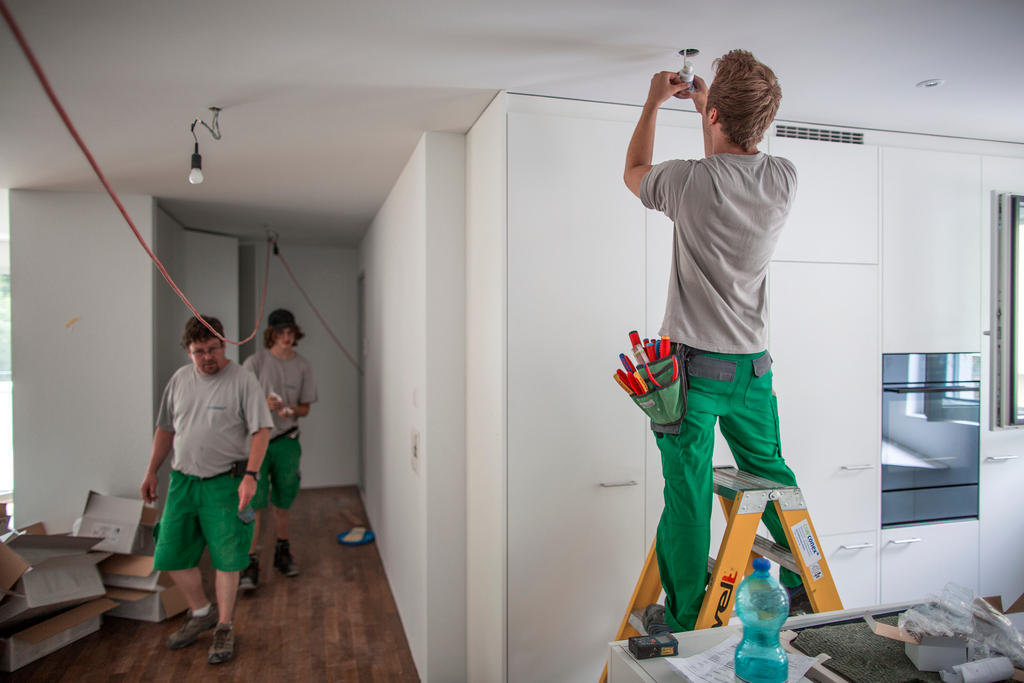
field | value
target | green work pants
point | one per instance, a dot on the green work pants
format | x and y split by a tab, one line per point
748	414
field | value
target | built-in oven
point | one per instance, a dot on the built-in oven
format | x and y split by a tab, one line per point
930	431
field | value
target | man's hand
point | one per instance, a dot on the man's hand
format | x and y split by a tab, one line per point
274	402
148	488
665	84
699	94
286	411
246	490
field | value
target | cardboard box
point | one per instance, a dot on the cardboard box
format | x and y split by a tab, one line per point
133	571
37	641
124	524
146	605
43	574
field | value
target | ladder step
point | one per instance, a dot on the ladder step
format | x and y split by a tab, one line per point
729	481
770	549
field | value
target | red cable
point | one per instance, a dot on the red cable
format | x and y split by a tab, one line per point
95	167
315	311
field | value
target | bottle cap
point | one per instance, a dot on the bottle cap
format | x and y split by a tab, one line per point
761	564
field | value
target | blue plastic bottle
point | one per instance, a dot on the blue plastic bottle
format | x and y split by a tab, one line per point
762	605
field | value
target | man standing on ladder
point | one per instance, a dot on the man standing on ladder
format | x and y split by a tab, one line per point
728	211
287	381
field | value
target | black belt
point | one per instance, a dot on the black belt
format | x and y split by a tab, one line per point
287	434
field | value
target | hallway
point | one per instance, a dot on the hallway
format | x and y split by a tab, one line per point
336	621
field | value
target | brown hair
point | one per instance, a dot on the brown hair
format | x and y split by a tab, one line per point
268	335
196	331
746	94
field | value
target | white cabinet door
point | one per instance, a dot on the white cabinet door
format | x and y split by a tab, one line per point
1002	452
827	376
835	214
931	242
575	440
918	561
1001	533
853	561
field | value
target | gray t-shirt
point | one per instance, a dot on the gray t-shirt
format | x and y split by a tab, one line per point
728	211
212	417
291	379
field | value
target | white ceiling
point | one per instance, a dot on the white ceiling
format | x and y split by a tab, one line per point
324	100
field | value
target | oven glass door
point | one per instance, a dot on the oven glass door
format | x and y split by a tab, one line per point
930	435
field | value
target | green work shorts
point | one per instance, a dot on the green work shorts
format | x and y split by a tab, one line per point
279	475
202	513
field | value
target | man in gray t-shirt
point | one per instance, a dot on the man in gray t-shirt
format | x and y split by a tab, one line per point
728	210
288	384
214	416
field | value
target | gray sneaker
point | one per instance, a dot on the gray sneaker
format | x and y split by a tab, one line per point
190	630
249	579
223	647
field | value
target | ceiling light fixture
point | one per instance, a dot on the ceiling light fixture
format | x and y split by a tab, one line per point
931	83
195	176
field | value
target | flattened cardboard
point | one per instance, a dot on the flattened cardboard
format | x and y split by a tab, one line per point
147	606
38	529
133	571
124	524
49	636
61	573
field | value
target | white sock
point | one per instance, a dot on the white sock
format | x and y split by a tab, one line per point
202	612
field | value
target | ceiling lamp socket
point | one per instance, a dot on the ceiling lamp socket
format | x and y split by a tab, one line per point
931	83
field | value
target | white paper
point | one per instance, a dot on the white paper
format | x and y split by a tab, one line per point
716	665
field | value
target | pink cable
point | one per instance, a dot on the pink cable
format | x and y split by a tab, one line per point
95	167
315	311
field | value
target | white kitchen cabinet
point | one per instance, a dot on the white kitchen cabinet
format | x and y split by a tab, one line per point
918	561
853	561
576	286
827	377
931	242
834	217
1001	523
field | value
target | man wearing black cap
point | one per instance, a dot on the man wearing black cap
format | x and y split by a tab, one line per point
287	380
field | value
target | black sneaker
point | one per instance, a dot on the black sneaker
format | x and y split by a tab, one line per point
799	603
283	561
250	576
654	620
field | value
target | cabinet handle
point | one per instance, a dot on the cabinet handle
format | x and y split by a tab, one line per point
1001	458
858	546
853	468
606	485
906	541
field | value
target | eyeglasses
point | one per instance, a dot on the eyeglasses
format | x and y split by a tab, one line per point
205	352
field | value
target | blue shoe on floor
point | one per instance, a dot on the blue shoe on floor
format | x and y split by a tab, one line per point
356	536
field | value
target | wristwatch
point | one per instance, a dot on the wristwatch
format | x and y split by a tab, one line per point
254	474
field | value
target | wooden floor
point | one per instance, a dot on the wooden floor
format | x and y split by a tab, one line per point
336	621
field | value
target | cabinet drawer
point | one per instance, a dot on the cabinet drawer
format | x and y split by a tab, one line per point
853	561
918	561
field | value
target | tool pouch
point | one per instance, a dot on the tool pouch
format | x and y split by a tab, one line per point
665	405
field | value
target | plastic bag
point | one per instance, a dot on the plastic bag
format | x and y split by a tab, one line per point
960	612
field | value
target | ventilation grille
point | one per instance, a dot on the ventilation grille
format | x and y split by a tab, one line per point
822	134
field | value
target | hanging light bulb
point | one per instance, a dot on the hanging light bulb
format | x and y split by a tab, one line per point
195	176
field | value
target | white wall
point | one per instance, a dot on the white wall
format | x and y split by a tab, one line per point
210	282
82	404
415	384
330	437
486	234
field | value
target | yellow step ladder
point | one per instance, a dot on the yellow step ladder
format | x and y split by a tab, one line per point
744	498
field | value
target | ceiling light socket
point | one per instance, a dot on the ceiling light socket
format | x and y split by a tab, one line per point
931	83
